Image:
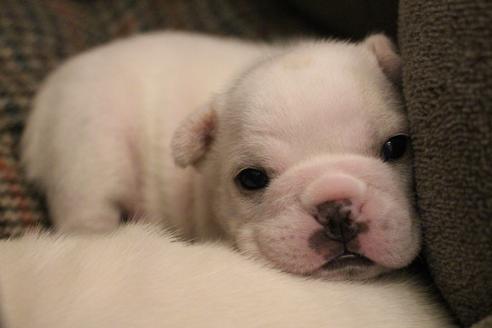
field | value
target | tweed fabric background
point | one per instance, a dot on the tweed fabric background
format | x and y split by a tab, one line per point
447	50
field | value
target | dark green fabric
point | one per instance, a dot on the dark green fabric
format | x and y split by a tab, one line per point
351	18
446	47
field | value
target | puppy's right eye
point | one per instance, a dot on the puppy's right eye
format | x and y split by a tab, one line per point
252	179
394	148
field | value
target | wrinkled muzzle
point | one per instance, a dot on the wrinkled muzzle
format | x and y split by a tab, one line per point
336	216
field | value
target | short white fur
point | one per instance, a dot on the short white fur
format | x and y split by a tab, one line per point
141	277
159	125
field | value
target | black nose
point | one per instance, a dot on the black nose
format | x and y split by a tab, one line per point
334	216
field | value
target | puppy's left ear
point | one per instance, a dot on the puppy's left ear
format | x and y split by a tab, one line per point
193	138
388	59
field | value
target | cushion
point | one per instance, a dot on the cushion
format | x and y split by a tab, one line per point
446	46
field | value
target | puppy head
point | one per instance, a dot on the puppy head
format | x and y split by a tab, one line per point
306	156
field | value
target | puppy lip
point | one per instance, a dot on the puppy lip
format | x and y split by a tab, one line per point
347	259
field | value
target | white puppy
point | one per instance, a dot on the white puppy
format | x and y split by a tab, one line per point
298	159
139	277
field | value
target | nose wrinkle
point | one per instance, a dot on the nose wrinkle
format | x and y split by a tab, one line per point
333	187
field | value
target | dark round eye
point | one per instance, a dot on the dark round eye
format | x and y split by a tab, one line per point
252	179
394	147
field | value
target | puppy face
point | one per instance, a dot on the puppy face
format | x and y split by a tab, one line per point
307	154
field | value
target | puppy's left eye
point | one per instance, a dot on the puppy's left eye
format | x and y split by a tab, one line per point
252	179
394	148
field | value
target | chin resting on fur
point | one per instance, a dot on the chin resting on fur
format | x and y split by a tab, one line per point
295	153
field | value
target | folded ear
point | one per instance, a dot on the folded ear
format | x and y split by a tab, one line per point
193	138
384	50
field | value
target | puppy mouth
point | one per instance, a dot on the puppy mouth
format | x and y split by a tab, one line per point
347	260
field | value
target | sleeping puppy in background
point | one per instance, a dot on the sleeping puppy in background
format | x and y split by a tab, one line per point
138	276
295	154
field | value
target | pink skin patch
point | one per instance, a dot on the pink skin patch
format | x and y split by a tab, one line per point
385	243
289	244
340	186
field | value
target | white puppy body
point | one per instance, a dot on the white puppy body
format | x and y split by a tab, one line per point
101	127
105	135
140	277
